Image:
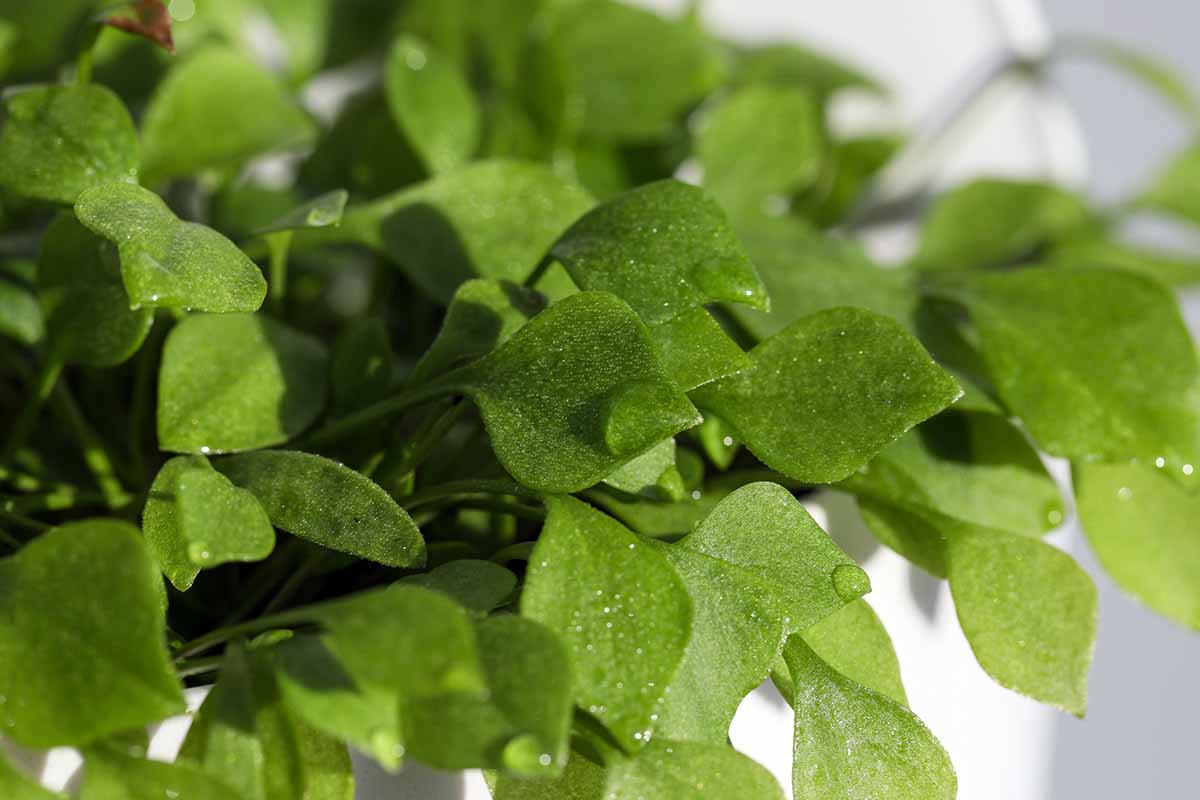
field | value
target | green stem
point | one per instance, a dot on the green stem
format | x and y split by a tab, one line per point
453	488
263	579
21	521
57	500
24	482
284	619
143	390
540	270
198	666
278	246
500	507
83	62
340	428
43	385
95	453
295	581
8	540
424	441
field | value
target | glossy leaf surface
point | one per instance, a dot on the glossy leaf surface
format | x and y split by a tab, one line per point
58	141
694	350
574	393
329	504
854	642
619	608
664	248
232	382
479	586
93	584
1029	613
851	380
166	262
1142	526
322	211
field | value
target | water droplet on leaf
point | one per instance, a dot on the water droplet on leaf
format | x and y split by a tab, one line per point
850	581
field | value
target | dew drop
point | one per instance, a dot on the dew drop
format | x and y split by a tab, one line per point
1125	493
1188	469
850	581
725	279
524	754
199	553
1160	462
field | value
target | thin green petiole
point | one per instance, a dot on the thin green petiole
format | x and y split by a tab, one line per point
452	488
284	619
95	453
43	384
391	406
295	581
198	666
21	521
279	244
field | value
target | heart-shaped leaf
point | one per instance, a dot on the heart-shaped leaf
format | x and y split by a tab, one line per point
1066	350
232	382
762	529
1142	525
664	248
84	302
490	219
1029	613
852	742
195	519
851	380
94	585
215	110
166	262
432	104
620	609
327	503
760	141
652	474
574	394
58	141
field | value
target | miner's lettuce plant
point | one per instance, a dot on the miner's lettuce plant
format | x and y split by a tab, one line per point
451	426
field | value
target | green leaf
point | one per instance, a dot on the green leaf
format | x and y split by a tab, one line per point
195	518
1141	524
620	609
663	769
60	140
806	271
110	774
166	262
482	315
479	586
318	690
801	67
694	350
219	521
635	72
21	315
490	219
215	110
737	631
520	724
652	474
432	104
327	503
989	223
850	166
851	380
917	534
664	248
1067	353
86	309
854	642
93	585
758	142
244	736
765	531
361	368
232	382
1172	192
573	394
322	211
1028	612
974	468
852	742
1175	269
15	785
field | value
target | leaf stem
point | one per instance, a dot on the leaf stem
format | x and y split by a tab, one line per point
295	581
43	385
412	453
283	619
8	540
198	666
263	580
452	488
351	423
22	521
95	452
279	245
143	385
60	499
